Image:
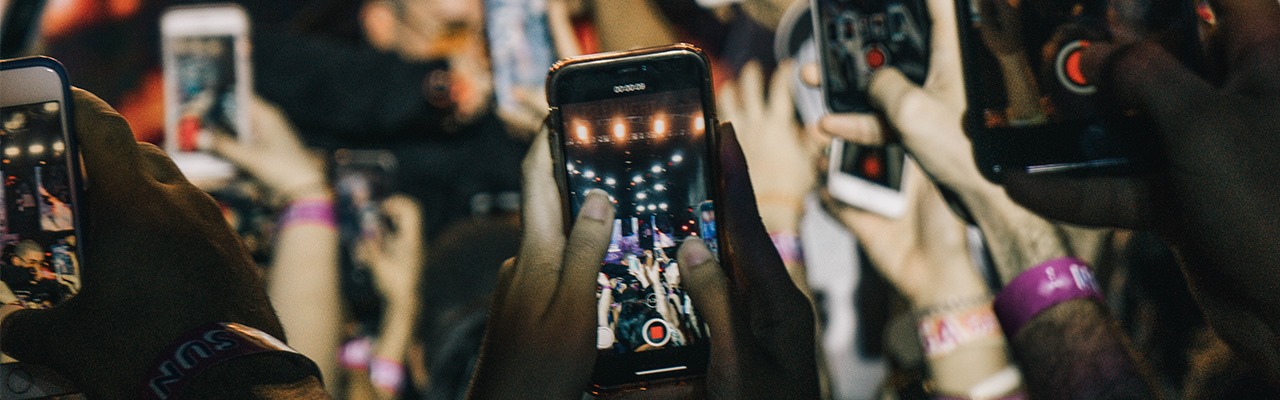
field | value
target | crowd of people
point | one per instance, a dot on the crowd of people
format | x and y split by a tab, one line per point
452	272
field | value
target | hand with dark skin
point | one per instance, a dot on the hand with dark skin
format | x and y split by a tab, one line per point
762	331
159	260
1214	192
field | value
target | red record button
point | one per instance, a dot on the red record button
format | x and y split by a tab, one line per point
875	58
1074	73
656	332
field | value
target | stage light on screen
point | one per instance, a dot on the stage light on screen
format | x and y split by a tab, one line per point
659	126
641	196
677	158
699	124
652	207
660	187
656	169
637	179
12	151
619	130
610	181
581	130
36	149
663	206
589	174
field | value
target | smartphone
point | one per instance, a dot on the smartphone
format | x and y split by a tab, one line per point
520	50
640	125
207	85
855	39
1031	108
40	222
858	37
362	179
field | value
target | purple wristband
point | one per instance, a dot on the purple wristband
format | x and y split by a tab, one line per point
788	245
204	347
318	212
1035	290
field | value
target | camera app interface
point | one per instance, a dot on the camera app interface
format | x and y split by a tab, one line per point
648	153
881	165
205	70
866	35
38	263
1031	58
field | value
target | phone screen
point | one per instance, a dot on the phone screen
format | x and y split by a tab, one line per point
1030	104
648	152
362	179
858	37
520	49
880	165
38	263
205	70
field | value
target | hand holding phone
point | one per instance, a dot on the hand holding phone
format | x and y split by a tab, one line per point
154	240
763	337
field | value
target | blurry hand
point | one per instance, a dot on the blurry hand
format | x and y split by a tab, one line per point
524	120
1215	194
928	121
275	157
761	325
396	258
158	262
772	141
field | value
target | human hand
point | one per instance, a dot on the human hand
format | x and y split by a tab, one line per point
524	120
761	325
927	120
396	258
1001	27
924	253
158	262
1213	192
773	141
275	157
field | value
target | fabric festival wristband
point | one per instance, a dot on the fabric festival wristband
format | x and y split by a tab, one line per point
204	347
788	245
386	374
319	212
1048	284
940	334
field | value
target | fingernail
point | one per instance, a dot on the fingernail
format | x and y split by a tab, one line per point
597	205
695	252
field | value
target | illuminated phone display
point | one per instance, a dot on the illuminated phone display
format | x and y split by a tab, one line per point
39	264
646	152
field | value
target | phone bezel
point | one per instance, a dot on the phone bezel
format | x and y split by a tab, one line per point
195	21
33	80
564	77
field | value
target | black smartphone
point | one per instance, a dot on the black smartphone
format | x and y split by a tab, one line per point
1030	107
362	179
41	220
858	37
640	125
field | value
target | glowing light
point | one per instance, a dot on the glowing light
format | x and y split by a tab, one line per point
610	181
659	126
641	196
36	149
637	179
619	130
677	158
582	132
656	169
640	209
663	206
652	207
660	187
12	151
588	174
699	124
51	107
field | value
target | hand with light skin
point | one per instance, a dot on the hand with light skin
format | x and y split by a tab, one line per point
761	325
1001	31
275	157
773	141
927	121
396	260
925	255
1212	192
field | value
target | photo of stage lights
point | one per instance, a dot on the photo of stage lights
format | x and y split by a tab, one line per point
647	152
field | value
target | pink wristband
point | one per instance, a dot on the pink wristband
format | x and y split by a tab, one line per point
319	212
788	245
204	347
386	374
1037	289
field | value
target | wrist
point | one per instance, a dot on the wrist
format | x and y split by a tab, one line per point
223	358
1038	289
316	211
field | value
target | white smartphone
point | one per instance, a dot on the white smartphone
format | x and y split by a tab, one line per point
207	85
868	177
41	206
